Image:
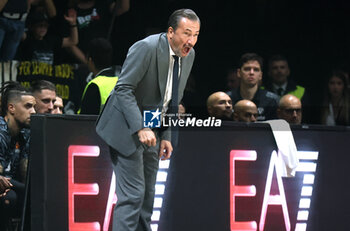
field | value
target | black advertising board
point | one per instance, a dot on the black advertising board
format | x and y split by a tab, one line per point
218	179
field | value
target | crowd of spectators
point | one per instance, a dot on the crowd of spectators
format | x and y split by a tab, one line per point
36	26
28	32
57	32
279	96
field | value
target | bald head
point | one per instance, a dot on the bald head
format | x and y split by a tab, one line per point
245	111
289	109
219	105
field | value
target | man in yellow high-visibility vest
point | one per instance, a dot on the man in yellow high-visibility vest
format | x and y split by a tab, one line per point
97	90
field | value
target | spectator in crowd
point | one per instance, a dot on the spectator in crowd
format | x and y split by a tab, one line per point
93	21
336	109
45	96
289	109
44	6
58	106
280	81
219	105
13	14
96	92
232	80
41	47
245	111
17	105
250	74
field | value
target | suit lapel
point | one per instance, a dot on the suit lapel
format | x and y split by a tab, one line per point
162	63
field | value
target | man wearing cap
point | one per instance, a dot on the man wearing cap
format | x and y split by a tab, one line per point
38	46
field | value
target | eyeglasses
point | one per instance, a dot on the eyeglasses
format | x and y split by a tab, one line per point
292	110
249	115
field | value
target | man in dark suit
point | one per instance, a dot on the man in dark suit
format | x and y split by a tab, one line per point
146	83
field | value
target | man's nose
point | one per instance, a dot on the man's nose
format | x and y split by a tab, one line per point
295	113
51	105
192	40
253	118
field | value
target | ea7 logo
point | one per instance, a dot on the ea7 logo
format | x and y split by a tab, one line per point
76	189
307	168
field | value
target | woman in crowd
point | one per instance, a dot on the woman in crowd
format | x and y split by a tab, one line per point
336	109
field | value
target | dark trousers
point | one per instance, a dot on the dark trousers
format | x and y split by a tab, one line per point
11	205
135	188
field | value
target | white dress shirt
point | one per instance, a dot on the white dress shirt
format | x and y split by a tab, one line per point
169	83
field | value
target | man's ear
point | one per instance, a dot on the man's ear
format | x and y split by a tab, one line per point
235	116
278	112
11	108
261	76
239	73
210	110
170	32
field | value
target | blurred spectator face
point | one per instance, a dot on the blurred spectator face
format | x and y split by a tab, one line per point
232	80
40	29
245	111
220	106
58	106
336	87
279	72
290	109
35	2
22	110
44	101
250	73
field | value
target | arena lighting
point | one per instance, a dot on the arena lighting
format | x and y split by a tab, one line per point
75	189
80	189
307	166
160	189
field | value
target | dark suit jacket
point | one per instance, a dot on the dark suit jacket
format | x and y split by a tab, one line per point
141	86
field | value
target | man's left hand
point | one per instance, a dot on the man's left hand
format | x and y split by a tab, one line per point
165	149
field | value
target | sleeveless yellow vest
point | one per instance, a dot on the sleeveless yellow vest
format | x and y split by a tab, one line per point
105	85
299	92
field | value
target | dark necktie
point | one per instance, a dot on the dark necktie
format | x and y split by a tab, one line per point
174	104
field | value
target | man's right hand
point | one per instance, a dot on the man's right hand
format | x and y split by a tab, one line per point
5	185
146	136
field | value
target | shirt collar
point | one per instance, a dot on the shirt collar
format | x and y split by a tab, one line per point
283	86
171	51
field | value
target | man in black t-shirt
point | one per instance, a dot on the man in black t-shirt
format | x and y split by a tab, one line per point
41	47
93	21
250	74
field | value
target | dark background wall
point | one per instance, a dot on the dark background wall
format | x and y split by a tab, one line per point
313	34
